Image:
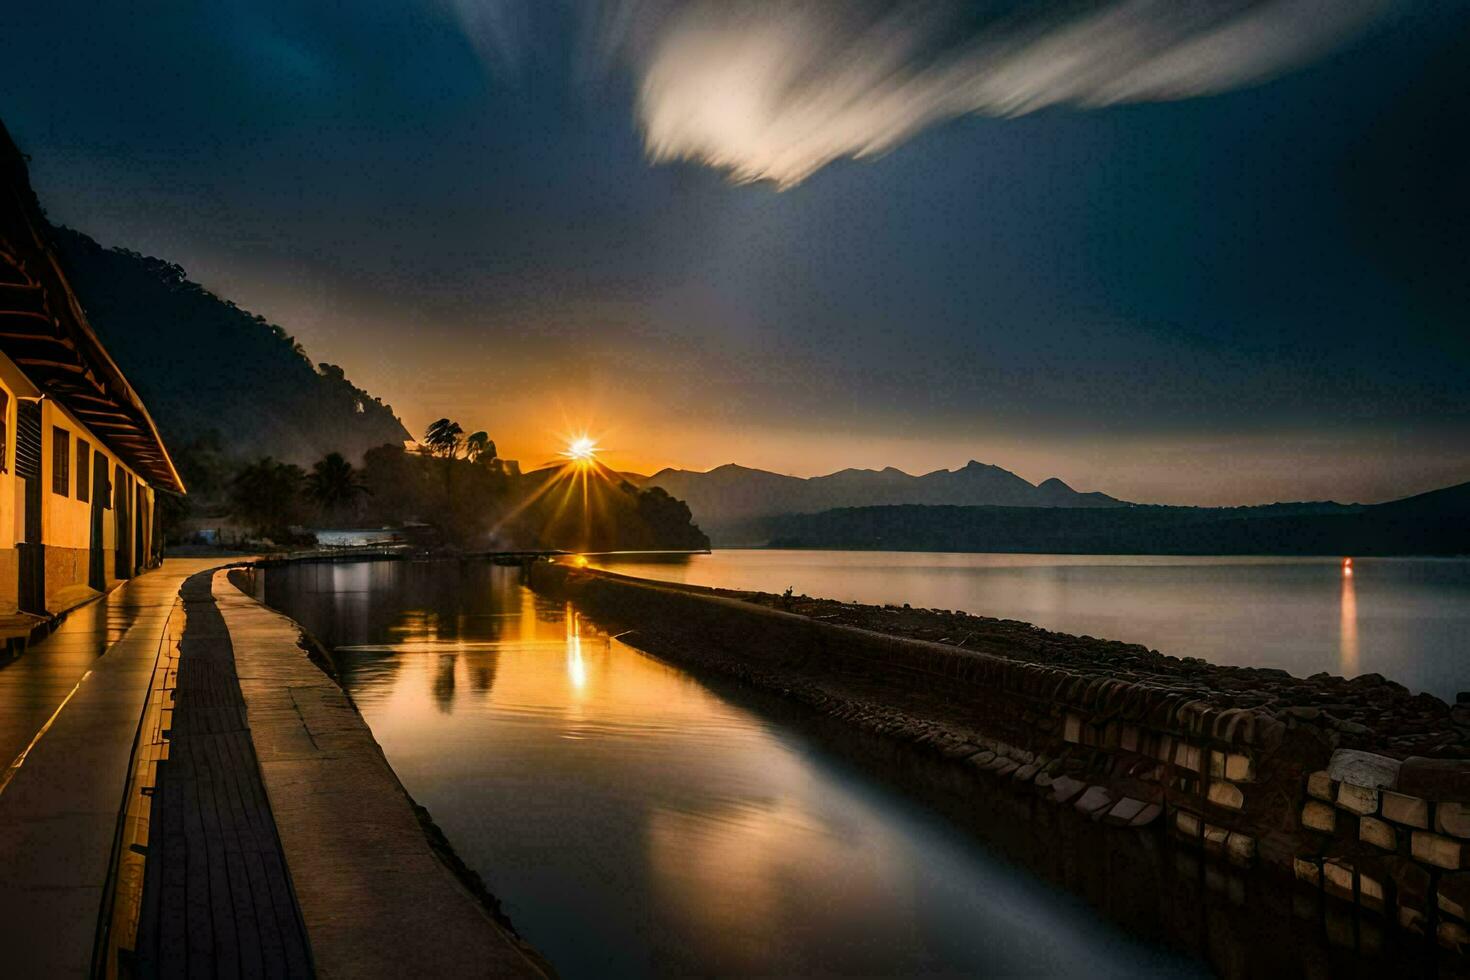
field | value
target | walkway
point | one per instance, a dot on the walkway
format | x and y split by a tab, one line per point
59	805
376	900
215	885
262	831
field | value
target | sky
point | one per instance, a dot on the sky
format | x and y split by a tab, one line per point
1180	253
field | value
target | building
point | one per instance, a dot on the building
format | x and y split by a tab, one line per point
81	462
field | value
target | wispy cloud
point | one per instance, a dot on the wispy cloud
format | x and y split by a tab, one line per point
769	90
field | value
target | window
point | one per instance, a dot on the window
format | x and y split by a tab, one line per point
60	461
102	465
84	470
4	429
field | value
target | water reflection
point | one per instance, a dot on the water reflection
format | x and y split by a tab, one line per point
1348	624
1409	617
576	668
636	823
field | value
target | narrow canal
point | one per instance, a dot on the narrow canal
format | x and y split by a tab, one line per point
636	822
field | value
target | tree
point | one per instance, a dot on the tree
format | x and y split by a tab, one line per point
443	438
265	496
479	445
334	484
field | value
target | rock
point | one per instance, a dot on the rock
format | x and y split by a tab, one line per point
1454	895
1125	810
1240	849
1378	833
1442	852
1319	816
1358	799
1436	779
1453	819
1226	794
1337	879
1407	810
1095	800
1147	815
1063	788
1366	769
1453	936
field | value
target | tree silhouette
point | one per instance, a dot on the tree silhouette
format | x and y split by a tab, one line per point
266	497
477	445
444	438
334	484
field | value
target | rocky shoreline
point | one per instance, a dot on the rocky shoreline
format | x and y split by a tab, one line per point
1368	711
1353	792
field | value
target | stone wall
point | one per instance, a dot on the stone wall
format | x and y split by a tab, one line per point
1251	787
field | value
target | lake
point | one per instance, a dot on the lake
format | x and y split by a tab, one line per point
636	821
1407	619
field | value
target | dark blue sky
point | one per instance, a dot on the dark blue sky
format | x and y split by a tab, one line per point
1257	293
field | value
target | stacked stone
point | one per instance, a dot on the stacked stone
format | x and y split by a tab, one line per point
1393	836
1252	766
1367	711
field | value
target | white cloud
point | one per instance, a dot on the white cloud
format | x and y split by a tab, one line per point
777	90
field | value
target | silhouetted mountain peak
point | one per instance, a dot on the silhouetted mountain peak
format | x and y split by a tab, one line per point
731	500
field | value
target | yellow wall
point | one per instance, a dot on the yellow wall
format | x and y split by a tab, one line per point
66	522
16	386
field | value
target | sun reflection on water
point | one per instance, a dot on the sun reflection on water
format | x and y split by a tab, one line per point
576	666
1348	624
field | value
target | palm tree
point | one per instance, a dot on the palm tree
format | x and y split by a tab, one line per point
334	483
443	438
265	496
478	444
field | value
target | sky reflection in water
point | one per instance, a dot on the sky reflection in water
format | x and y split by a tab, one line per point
635	823
1404	618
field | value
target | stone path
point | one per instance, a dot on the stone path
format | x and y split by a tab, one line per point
176	733
59	806
376	900
216	892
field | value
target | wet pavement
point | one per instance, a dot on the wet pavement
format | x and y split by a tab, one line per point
178	772
71	706
34	683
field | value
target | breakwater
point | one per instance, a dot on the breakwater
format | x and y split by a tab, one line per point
1352	795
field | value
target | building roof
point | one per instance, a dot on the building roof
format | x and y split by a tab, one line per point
44	330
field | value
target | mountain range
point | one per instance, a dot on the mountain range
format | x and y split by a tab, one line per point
734	504
1434	523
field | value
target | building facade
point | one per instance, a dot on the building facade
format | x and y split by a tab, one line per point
81	464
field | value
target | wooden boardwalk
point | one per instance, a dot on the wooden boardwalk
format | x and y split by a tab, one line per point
217	899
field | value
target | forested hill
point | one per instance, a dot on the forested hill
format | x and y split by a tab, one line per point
207	368
1435	523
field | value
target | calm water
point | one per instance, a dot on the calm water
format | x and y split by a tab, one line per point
636	822
1408	619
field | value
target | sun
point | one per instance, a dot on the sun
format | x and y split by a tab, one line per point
581	450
